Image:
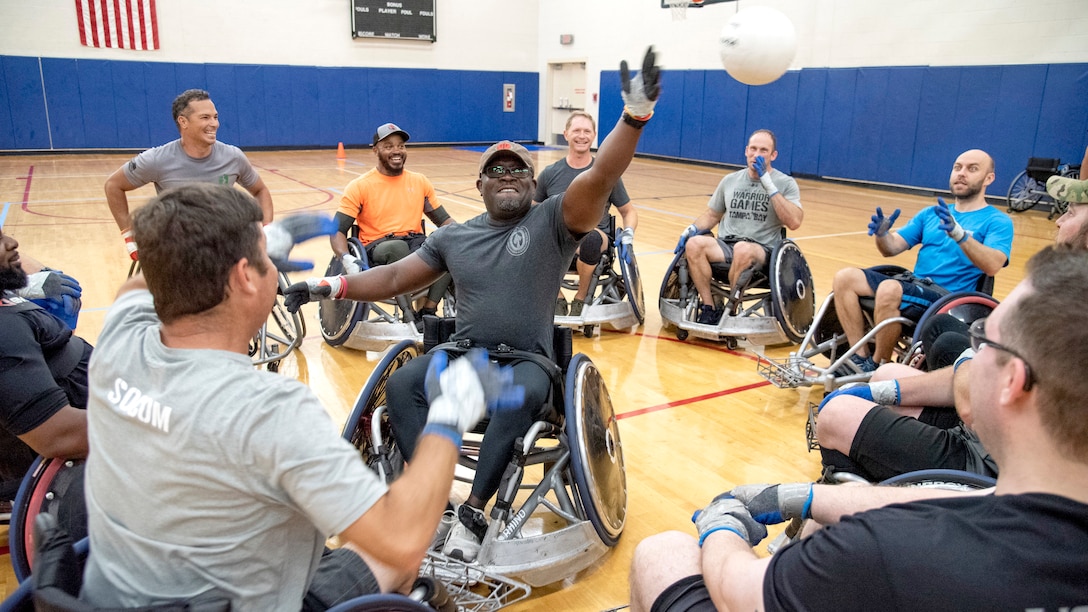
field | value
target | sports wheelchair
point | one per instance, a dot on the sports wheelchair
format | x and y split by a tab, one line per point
281	334
775	307
372	326
56	584
54	486
950	480
826	338
1028	189
577	449
605	297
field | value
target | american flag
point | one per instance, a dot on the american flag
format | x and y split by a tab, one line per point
122	24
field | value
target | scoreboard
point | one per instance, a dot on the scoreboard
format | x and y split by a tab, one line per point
406	19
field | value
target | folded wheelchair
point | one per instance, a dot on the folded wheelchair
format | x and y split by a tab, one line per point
824	355
1028	189
775	307
372	326
614	297
539	532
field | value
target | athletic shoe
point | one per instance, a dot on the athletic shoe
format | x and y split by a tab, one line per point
467	534
709	315
865	364
576	307
561	306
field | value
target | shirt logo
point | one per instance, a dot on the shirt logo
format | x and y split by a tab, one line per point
518	241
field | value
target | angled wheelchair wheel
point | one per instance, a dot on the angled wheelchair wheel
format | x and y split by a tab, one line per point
672	292
339	317
1024	192
358	427
632	282
596	452
793	296
954	480
968	307
54	486
381	603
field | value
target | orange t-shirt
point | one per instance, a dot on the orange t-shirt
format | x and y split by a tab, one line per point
384	205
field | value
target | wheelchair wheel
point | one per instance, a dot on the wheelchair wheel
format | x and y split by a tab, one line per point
1024	192
357	429
385	602
632	283
54	486
793	296
339	317
967	307
596	452
954	480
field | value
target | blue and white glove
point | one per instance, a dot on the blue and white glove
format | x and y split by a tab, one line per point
949	224
352	264
688	232
880	225
884	392
773	504
317	288
625	240
729	514
460	393
51	285
640	93
761	166
282	235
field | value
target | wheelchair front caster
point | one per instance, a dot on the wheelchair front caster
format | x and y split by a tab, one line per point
681	334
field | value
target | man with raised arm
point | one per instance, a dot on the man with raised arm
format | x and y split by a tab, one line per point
507	265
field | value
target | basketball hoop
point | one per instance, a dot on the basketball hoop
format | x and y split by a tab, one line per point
679	9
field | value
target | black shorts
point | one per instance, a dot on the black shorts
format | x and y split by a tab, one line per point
341	575
918	293
685	595
888	444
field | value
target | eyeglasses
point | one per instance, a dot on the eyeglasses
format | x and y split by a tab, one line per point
500	171
977	332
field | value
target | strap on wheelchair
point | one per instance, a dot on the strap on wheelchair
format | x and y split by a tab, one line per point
503	353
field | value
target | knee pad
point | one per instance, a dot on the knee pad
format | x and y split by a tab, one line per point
589	251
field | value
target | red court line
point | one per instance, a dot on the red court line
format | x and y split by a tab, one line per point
692	400
26	190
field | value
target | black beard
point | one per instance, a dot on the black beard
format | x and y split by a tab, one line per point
391	171
12	279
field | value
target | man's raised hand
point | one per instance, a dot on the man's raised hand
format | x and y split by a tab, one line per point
880	224
641	92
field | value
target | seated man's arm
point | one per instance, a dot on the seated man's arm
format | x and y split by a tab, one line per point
832	502
438	216
985	258
263	195
629	215
788	209
927	389
383	282
116	186
62	435
339	240
891	244
708	220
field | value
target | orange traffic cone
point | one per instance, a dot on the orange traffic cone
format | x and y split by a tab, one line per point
340	151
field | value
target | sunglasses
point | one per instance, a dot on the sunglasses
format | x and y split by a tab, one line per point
500	171
977	332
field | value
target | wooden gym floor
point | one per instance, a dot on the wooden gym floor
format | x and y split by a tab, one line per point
695	418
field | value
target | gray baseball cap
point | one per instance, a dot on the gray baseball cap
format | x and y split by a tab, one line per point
505	146
386	130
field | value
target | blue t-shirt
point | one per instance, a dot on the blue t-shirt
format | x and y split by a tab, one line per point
941	259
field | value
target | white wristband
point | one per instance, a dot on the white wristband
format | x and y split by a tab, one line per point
885	392
768	184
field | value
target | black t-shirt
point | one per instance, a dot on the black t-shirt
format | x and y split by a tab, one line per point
29	392
557	177
997	552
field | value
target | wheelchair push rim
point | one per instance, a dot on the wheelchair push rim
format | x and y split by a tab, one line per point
596	452
632	282
339	317
357	428
793	301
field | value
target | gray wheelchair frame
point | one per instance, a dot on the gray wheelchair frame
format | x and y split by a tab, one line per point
827	340
774	308
372	326
583	483
613	298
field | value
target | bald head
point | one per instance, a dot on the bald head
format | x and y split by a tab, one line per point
971	174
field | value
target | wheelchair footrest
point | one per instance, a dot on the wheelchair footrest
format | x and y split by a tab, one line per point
810	427
472	587
786	373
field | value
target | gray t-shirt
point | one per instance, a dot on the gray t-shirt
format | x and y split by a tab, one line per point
506	275
207	473
748	212
557	177
170	166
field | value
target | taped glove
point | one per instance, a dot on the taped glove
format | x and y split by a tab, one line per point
728	513
50	284
761	166
863	391
773	504
318	288
460	393
949	224
130	244
640	93
281	236
879	226
688	232
352	264
625	244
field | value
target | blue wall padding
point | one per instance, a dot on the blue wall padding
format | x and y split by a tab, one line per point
897	125
110	104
